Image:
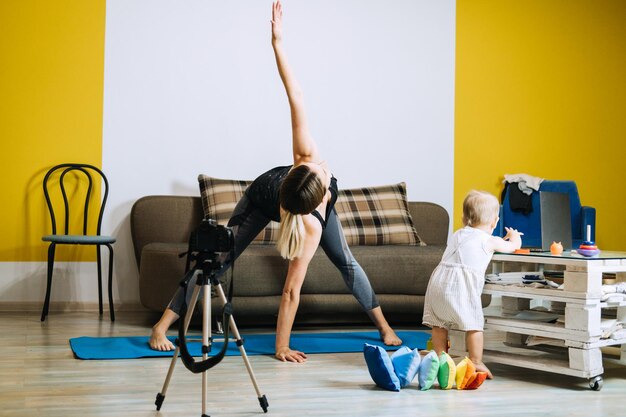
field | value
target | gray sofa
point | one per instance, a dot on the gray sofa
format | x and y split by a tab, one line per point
161	225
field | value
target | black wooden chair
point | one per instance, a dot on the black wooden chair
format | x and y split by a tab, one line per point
80	182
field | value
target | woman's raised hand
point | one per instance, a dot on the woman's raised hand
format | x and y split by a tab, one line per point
277	17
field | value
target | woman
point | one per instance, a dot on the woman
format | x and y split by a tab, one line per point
302	198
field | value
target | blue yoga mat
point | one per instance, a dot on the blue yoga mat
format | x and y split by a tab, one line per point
255	344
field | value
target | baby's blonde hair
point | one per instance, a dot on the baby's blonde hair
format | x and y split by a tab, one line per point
480	208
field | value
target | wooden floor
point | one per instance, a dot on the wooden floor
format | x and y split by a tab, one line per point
40	377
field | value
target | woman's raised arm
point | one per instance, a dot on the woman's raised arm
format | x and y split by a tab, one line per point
304	147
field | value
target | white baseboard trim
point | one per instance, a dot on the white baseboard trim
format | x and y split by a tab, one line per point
73	282
67	306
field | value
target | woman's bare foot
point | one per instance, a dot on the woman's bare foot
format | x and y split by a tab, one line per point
480	367
159	340
389	337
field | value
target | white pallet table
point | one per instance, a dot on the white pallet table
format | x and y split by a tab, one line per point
582	310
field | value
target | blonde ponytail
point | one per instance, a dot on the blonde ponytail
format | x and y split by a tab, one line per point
301	191
290	235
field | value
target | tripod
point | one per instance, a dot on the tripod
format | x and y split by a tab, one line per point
204	270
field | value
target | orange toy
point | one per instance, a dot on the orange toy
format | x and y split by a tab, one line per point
556	248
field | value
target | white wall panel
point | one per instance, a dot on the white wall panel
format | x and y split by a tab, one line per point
191	87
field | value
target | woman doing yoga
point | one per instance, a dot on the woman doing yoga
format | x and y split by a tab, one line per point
301	197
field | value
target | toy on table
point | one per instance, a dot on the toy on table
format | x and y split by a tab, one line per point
556	248
588	248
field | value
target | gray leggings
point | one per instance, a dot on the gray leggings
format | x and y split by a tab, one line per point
249	223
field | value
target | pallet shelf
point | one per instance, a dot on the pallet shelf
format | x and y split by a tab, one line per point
580	315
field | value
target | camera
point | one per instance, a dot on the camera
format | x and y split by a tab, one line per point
211	237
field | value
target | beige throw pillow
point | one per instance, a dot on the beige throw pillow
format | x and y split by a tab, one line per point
377	216
219	198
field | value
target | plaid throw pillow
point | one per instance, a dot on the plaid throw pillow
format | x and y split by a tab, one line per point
219	198
377	216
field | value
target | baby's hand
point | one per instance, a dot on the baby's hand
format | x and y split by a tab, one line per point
512	234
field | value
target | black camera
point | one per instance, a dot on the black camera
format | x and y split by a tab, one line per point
210	237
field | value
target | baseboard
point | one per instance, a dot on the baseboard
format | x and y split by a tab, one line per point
66	306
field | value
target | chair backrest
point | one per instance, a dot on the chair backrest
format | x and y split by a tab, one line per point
530	224
83	177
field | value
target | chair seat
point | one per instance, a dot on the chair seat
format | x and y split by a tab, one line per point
79	239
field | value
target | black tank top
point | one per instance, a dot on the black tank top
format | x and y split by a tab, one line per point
264	193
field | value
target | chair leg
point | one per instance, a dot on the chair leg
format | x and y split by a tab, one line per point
99	258
111	310
46	304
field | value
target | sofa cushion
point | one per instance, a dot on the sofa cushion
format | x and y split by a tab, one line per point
391	270
376	216
161	271
219	198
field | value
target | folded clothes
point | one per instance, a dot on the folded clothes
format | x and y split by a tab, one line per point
610	327
618	334
613	297
505	277
538	279
536	315
620	288
523	279
526	183
540	340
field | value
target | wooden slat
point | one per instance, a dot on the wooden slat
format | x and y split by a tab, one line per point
547	363
556	330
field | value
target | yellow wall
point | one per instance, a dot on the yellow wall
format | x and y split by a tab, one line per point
541	89
51	93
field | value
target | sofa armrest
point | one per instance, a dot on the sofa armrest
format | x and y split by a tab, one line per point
163	219
431	222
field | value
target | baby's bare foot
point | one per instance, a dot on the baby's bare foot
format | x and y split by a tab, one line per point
480	367
159	341
389	337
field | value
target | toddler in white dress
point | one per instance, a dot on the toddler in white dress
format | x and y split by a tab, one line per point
453	294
